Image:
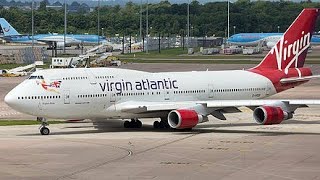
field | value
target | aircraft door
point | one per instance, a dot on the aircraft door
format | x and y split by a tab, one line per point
91	76
268	90
40	105
166	95
210	91
113	97
66	96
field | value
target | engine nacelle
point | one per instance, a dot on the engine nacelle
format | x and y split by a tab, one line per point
268	115
61	44
271	44
184	119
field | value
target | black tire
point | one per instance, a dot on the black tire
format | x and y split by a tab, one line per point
138	124
133	124
126	124
162	125
156	124
44	131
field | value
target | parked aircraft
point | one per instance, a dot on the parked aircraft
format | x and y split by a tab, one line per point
12	35
268	39
180	99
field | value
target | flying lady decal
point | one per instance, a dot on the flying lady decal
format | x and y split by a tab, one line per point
53	86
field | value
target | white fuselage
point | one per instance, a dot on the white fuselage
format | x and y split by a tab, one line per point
94	93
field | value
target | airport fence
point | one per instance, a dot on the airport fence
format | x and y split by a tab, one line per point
165	42
22	55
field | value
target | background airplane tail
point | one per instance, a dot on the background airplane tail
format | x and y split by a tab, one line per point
7	29
291	50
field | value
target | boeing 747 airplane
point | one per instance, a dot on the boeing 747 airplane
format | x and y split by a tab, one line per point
269	39
12	35
180	99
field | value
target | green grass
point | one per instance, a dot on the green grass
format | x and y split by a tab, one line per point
10	66
164	53
25	122
203	61
179	53
192	61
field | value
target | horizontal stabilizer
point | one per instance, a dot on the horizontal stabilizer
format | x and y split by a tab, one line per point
298	79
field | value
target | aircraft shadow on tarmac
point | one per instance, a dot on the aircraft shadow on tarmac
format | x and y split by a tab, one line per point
117	126
302	122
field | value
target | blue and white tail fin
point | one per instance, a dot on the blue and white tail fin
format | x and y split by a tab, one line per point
7	29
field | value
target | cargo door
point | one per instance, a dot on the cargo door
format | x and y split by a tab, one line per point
167	95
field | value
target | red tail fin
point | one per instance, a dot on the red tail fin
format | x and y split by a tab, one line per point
291	50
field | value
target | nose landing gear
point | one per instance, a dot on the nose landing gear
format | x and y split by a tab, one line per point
43	127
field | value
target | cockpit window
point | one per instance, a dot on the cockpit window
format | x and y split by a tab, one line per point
36	77
33	77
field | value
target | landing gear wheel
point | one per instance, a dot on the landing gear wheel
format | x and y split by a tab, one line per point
163	124
44	131
134	123
156	124
138	124
126	124
43	127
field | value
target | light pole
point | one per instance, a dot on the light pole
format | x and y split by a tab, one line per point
147	27
234	30
191	32
188	23
228	19
65	26
98	22
278	29
140	20
32	23
102	31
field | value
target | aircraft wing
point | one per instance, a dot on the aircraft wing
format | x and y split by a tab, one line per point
143	107
228	106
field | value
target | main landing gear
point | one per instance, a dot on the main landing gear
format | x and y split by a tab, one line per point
134	123
43	127
163	124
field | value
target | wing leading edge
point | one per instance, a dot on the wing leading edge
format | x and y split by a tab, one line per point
228	106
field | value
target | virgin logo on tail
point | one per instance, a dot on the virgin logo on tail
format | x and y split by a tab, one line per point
285	51
291	50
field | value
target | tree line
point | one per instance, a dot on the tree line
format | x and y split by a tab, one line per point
165	18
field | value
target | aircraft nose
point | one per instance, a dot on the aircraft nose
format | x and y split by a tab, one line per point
10	99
